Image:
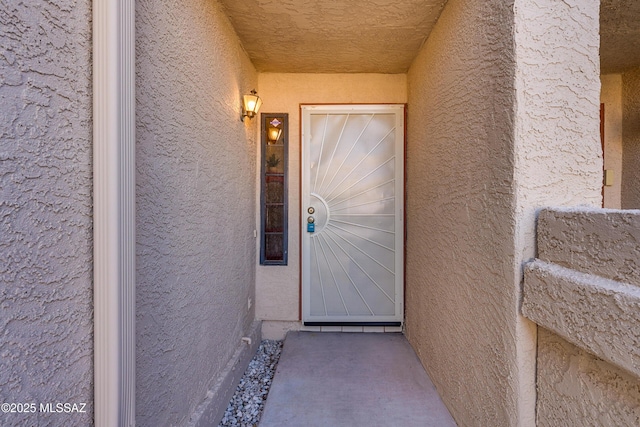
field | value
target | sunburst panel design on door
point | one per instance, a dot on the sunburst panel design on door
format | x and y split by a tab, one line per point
353	192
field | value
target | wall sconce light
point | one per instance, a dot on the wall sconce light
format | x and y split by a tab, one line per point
250	105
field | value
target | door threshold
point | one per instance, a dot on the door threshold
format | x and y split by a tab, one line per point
352	323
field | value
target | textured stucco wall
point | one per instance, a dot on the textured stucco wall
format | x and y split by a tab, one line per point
631	139
461	296
601	242
585	287
503	119
578	389
278	287
558	152
558	148
611	97
195	205
46	333
598	315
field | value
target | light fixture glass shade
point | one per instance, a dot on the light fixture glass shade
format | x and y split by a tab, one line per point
273	134
251	104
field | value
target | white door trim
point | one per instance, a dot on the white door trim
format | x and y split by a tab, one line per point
398	109
114	211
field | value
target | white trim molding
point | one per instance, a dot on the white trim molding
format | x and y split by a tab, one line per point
114	211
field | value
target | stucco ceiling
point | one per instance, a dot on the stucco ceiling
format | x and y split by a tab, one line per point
310	36
619	35
381	36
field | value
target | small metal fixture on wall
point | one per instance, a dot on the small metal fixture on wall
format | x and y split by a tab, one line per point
250	105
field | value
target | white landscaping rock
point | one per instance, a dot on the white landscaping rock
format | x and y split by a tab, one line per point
247	403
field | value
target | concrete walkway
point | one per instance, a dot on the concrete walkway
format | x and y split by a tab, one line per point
352	379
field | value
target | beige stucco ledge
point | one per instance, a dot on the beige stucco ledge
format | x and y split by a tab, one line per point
585	283
599	315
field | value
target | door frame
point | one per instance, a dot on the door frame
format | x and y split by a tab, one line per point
400	191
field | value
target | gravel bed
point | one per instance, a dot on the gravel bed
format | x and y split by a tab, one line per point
247	403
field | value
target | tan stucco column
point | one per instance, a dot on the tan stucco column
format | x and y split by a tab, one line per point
558	154
503	120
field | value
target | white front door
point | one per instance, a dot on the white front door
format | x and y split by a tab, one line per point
353	215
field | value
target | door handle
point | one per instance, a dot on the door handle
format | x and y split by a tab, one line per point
311	224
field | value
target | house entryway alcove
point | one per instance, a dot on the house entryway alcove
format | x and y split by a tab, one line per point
483	115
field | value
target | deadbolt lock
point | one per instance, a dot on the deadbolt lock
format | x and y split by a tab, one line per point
311	210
